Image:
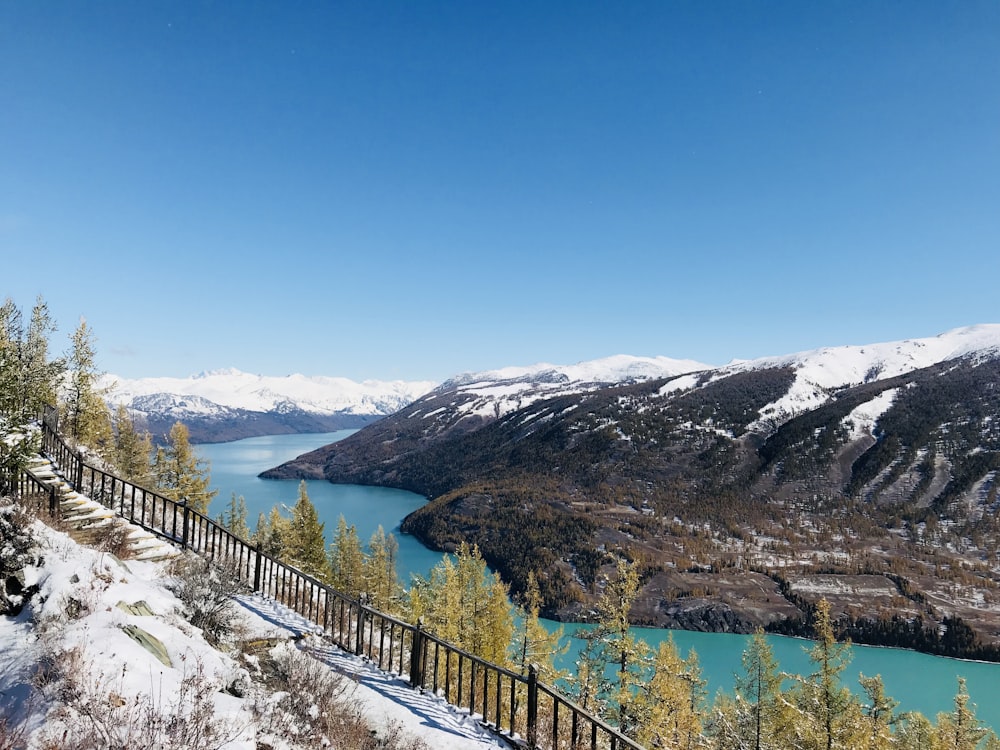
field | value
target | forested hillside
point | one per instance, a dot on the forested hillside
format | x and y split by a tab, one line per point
743	493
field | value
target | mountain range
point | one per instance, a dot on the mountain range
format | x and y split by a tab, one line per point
862	474
223	405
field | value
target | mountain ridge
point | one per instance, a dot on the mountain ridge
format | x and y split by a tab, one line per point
229	404
877	460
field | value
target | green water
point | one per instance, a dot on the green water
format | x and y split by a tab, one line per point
918	681
235	466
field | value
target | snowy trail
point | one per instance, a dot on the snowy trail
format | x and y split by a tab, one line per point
387	697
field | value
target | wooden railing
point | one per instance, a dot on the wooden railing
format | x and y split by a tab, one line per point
520	707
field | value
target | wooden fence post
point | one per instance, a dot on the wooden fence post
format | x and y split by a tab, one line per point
532	706
417	655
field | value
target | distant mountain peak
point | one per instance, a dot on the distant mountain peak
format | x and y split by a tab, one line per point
227	404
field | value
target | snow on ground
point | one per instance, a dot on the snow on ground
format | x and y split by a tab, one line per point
863	417
388	697
83	600
819	371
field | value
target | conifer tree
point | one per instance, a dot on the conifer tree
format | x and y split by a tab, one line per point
533	643
832	708
306	546
347	560
28	378
668	711
879	713
87	418
272	533
960	729
464	603
757	718
133	450
914	731
234	517
179	473
380	571
611	643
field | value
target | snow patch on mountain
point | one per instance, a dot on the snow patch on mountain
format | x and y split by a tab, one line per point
495	393
861	421
619	368
819	372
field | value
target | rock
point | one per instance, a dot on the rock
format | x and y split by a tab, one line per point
139	608
704	616
149	642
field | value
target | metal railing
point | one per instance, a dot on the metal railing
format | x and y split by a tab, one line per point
519	707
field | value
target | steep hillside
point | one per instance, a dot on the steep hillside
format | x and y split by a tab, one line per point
738	487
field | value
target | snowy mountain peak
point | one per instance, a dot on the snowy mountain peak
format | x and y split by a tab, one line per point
229	404
618	368
260	393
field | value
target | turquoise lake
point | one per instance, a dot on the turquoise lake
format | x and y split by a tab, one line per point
918	681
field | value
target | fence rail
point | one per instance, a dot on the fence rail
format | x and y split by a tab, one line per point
520	707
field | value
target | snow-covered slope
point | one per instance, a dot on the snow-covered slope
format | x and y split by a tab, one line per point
493	393
819	372
86	628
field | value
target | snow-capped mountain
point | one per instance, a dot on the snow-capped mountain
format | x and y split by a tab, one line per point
493	393
569	460
229	404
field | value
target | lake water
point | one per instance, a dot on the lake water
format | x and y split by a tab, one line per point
918	681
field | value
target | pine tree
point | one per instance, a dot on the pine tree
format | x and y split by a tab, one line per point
669	710
832	708
234	517
347	560
914	731
87	417
757	718
464	603
272	533
380	571
878	711
179	473
28	378
306	547
132	450
533	643
960	729
611	643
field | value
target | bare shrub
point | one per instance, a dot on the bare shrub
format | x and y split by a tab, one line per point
116	541
314	703
17	550
12	735
95	711
206	593
317	705
393	736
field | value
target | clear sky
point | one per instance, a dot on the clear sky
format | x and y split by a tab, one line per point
416	189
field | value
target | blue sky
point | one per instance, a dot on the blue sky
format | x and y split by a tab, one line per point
416	189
